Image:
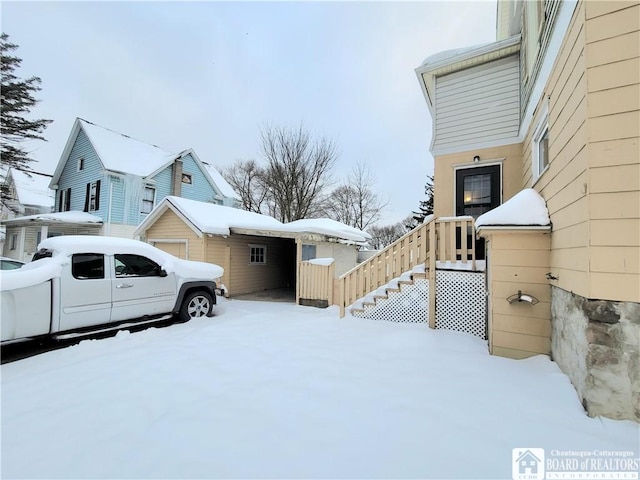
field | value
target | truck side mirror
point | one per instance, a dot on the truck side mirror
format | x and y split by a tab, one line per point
163	272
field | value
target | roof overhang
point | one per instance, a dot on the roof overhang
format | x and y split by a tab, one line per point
428	71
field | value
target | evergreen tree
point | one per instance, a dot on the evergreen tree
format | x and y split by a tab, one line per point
426	206
17	102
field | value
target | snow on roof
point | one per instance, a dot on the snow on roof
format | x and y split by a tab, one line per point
33	188
327	226
116	151
224	187
527	208
219	220
450	54
62	217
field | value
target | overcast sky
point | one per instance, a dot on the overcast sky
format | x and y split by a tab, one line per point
209	75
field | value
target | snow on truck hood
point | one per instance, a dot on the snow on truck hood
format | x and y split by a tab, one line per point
64	246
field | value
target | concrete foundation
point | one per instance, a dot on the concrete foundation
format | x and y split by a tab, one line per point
596	343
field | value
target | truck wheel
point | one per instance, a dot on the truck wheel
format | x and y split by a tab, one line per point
195	304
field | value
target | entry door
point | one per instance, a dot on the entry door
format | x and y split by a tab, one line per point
477	192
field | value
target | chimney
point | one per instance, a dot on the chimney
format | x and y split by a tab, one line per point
176	185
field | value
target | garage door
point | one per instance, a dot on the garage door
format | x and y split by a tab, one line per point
178	249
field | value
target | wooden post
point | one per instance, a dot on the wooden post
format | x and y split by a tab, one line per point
432	275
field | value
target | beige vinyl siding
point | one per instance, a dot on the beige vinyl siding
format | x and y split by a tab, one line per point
170	226
519	261
243	277
444	176
478	104
613	116
564	184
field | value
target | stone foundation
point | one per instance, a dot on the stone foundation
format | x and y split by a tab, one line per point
596	343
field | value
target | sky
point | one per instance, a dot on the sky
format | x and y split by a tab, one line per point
210	75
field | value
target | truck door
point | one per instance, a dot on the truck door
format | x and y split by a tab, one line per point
85	292
140	287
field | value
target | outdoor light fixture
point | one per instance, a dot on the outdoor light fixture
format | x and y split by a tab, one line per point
522	297
476	159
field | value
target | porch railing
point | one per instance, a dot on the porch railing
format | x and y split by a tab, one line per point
445	239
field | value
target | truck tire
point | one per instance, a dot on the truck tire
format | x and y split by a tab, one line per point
196	304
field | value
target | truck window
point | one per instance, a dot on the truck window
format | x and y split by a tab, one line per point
129	265
87	266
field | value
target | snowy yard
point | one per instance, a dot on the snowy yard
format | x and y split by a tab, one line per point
273	390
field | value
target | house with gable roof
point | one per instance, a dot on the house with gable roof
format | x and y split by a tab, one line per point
120	179
28	193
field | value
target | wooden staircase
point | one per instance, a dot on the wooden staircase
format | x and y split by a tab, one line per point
441	241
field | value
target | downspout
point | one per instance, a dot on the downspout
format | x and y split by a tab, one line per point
108	227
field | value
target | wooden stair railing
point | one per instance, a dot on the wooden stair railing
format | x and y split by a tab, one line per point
433	241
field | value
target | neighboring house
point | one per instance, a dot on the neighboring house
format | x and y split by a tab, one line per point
553	105
28	194
120	179
256	251
23	234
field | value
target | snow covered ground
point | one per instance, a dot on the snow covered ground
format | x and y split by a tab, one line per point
273	390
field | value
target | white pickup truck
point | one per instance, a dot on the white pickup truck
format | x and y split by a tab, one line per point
81	283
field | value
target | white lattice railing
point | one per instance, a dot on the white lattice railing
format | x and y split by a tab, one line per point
446	239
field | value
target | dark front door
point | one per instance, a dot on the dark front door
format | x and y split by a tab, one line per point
477	192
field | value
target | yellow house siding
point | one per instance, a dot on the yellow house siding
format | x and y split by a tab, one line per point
613	116
444	173
243	277
170	226
519	261
564	184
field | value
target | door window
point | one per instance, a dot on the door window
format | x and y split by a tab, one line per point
477	190
87	266
128	265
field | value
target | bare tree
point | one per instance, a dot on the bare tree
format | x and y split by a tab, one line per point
385	235
297	171
356	203
247	179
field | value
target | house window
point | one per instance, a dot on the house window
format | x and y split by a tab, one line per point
187	178
308	252
14	241
257	254
541	144
542	151
148	198
64	200
80	164
92	199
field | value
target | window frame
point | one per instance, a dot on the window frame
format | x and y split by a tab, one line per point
81	164
257	254
187	176
13	241
86	254
541	133
311	249
145	201
64	200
